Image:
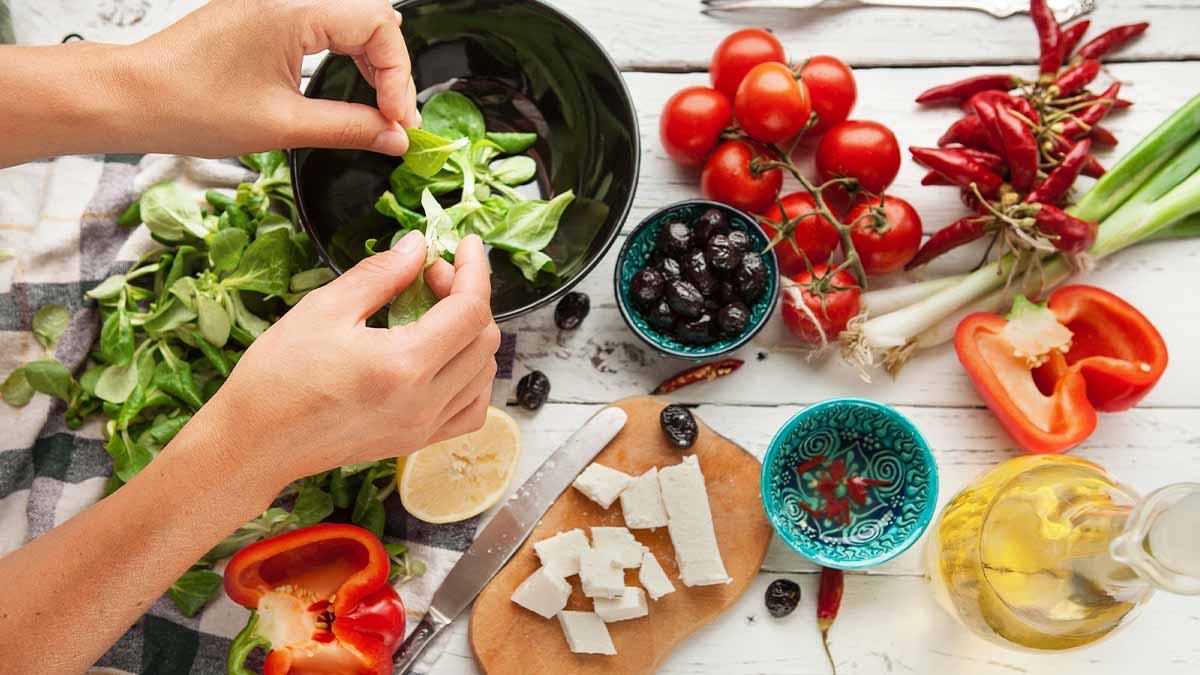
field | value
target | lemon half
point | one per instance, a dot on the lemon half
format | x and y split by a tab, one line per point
461	477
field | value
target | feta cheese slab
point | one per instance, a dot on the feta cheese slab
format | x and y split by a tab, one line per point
586	633
560	554
602	484
631	605
689	522
642	503
627	550
600	573
543	593
652	577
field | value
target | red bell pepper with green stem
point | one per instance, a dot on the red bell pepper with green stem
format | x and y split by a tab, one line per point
321	603
1045	370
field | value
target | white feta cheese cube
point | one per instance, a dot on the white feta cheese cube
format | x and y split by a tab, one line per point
620	541
600	573
642	503
689	522
602	484
652	577
631	605
560	554
543	593
586	633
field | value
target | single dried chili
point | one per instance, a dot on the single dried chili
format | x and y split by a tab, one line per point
961	232
702	373
1062	177
991	160
934	178
958	168
1070	36
1049	39
964	89
1111	40
1077	77
1020	148
829	601
1079	125
985	108
1103	136
1068	233
967	131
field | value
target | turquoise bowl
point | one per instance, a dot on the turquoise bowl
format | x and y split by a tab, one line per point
834	441
636	253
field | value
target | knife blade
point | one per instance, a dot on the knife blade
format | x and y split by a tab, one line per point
508	529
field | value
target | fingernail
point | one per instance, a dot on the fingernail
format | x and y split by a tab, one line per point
409	243
391	142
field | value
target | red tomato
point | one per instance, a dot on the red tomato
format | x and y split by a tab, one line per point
772	105
887	240
738	53
832	90
692	122
802	303
726	178
815	236
860	149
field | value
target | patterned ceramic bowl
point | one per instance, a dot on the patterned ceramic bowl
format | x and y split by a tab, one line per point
849	483
636	253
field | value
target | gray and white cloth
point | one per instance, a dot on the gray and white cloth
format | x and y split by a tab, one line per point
59	238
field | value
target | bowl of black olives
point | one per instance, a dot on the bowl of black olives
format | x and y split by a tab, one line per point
693	281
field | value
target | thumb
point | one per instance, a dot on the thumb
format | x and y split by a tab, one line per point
375	280
337	124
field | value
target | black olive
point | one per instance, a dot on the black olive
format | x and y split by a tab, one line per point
670	269
727	292
733	318
782	597
660	315
679	426
647	287
696	270
684	298
740	241
712	221
720	253
700	330
674	239
712	305
572	310
751	277
533	390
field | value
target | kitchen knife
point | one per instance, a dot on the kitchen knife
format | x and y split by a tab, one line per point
508	530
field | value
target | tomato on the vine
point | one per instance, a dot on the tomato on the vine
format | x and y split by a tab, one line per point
886	233
727	178
692	122
818	305
860	149
832	90
738	53
771	104
814	236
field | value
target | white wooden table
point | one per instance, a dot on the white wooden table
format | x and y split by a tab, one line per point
889	622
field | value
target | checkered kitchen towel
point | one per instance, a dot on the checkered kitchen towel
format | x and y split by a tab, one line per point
58	222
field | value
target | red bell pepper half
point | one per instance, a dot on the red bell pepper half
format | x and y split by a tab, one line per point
320	603
1045	370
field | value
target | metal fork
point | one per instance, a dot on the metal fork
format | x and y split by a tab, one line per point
1064	10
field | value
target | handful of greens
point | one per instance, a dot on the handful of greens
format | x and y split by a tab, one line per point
454	154
174	325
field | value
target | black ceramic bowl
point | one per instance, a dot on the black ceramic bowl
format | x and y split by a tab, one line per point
529	68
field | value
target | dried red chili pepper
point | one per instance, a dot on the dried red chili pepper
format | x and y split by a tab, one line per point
1020	148
1111	40
829	601
1079	125
934	178
964	89
991	160
1070	36
1069	234
1103	136
959	233
985	108
1048	37
958	168
967	131
1093	168
1122	103
702	373
1062	177
1077	77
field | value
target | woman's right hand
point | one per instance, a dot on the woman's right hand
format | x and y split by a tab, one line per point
320	389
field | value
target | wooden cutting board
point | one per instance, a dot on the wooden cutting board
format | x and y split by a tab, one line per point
508	639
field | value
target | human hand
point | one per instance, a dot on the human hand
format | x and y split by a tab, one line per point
320	389
225	79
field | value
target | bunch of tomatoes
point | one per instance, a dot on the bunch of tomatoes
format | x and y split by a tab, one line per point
743	132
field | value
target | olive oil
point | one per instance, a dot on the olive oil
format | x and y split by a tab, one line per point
1049	552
